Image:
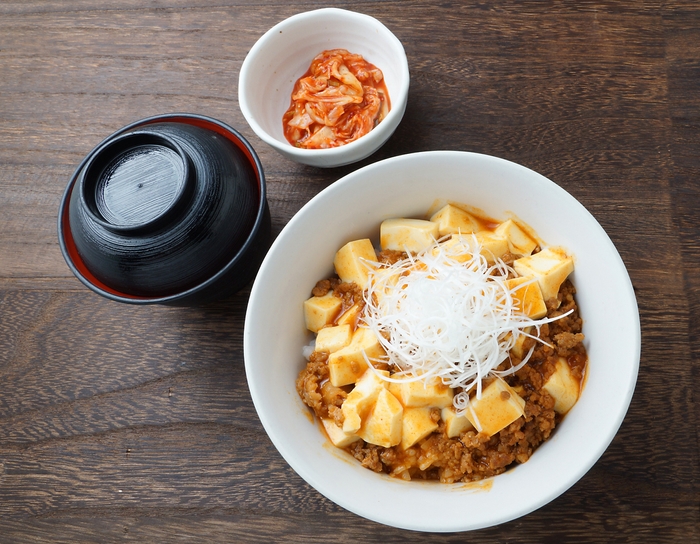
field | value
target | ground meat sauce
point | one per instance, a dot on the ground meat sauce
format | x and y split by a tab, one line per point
471	456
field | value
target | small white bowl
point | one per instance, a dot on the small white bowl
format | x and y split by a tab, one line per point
408	186
284	53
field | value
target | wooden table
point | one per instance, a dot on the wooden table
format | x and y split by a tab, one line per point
123	423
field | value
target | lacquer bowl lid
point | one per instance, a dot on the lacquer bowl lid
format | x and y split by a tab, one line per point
160	208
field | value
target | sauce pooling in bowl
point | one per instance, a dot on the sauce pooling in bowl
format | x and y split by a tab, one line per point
339	99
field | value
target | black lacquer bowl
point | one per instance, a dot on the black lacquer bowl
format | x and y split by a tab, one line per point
171	209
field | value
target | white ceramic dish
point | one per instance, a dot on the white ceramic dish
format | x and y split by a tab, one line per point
283	54
409	185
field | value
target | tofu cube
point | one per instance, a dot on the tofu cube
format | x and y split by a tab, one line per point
336	435
563	387
519	241
360	400
417	424
332	339
458	247
492	245
454	220
527	296
383	425
410	235
455	425
498	407
551	267
351	261
348	364
383	280
321	311
350	316
518	348
420	394
519	389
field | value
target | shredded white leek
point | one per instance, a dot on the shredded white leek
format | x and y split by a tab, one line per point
448	314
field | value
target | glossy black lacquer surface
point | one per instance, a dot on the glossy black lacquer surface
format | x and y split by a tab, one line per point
142	184
161	209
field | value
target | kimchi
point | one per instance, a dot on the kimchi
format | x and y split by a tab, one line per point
339	99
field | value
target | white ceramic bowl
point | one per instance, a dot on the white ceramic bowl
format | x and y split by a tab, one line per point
284	53
407	186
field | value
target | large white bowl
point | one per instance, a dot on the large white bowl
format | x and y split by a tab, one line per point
284	53
408	185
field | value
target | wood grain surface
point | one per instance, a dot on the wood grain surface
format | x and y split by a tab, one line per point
120	423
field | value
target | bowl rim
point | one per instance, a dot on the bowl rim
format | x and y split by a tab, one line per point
390	517
65	237
372	138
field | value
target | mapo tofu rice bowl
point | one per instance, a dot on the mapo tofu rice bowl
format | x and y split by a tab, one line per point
442	341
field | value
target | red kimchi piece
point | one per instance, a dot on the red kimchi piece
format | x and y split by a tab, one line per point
341	98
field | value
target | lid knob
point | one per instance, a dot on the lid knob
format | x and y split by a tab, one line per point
138	182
